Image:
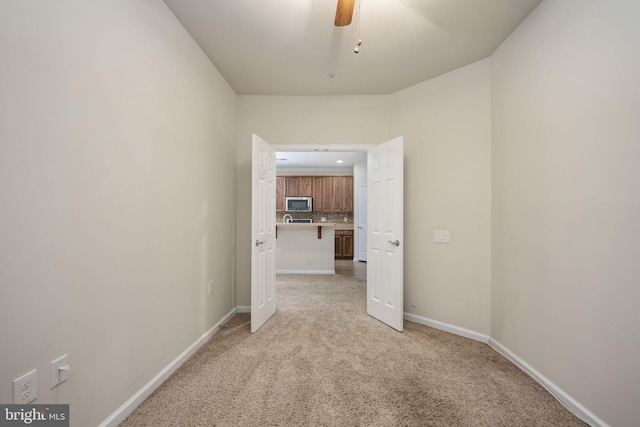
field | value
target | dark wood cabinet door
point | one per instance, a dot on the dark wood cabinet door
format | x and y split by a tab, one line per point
305	185
347	246
344	244
317	193
338	247
348	194
291	186
280	194
338	194
327	194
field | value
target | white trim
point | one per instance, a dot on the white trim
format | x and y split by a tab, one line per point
569	402
315	171
134	401
305	272
322	147
565	399
456	330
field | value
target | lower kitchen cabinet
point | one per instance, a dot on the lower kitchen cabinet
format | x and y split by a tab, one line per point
344	244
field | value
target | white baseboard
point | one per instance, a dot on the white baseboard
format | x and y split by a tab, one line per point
456	330
569	402
130	405
305	272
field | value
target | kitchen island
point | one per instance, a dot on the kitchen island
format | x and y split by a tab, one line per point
305	248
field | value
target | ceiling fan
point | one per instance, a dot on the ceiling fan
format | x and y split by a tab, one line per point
344	12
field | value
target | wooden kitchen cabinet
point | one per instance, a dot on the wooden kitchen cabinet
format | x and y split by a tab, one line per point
298	186
291	186
305	186
348	194
329	193
344	244
342	194
322	193
280	194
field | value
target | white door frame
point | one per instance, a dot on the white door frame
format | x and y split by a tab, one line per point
361	232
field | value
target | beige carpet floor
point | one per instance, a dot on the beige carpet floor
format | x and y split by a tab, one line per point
322	361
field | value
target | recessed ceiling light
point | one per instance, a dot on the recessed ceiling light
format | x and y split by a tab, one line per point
283	159
338	161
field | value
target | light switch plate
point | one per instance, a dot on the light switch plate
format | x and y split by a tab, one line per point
59	370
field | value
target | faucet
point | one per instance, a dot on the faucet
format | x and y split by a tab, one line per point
284	218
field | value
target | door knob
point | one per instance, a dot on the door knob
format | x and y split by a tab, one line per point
397	243
259	242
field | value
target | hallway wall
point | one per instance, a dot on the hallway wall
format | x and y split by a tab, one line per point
445	122
566	205
116	150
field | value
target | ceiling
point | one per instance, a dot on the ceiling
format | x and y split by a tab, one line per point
289	47
322	160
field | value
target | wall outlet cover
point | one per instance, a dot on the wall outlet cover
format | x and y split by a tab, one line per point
25	388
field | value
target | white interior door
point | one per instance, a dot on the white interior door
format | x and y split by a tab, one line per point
263	235
385	233
362	223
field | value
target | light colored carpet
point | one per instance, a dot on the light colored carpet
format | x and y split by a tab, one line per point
322	361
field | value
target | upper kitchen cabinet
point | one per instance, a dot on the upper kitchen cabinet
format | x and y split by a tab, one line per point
299	186
322	194
342	194
291	186
329	193
281	194
305	186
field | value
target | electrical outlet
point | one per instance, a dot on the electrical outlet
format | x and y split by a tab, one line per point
25	388
210	287
59	370
441	236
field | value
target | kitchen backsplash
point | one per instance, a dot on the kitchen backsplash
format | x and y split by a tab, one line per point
317	216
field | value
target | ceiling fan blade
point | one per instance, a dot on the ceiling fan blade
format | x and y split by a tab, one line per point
344	12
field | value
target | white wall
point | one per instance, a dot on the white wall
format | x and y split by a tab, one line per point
445	122
117	193
319	120
566	205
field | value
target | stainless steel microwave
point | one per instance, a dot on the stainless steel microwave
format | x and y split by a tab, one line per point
299	204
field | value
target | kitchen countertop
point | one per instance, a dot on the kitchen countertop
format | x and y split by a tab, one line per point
306	224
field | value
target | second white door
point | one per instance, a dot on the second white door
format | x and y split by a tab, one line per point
385	233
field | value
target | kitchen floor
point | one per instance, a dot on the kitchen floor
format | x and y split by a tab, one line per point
346	267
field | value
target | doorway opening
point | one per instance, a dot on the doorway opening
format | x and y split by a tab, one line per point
330	160
385	244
